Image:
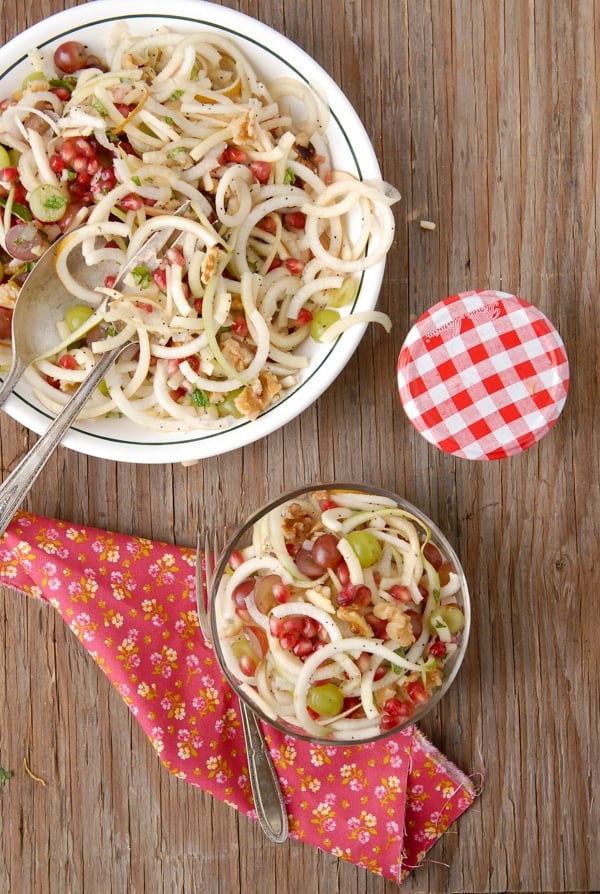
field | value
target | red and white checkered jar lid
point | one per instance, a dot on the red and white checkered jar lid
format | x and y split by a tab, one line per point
483	375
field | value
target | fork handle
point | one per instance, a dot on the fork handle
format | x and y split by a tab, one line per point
8	385
268	799
15	488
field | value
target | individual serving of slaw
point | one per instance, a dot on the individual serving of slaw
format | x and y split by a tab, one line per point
273	244
340	613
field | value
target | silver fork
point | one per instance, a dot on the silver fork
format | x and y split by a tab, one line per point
266	791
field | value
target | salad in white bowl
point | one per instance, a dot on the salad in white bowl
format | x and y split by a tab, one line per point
105	133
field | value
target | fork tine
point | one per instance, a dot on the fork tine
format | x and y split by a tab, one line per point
204	569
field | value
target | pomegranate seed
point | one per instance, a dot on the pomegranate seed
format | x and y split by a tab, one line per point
19	192
303	647
79	163
295	266
194	362
437	649
131	202
293	624
275	627
363	662
85	147
417	693
159	276
310	628
198	306
247	665
288	640
110	280
67	361
235	559
175	256
281	593
326	504
234	155
275	263
57	164
240	327
261	170
346	595
9	175
401	594
343	574
378	625
304	317
63	93
296	220
269	225
68	151
396	707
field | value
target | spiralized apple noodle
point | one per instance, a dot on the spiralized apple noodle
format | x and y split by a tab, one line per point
272	245
341	618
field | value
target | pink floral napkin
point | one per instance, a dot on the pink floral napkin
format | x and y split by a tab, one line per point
131	602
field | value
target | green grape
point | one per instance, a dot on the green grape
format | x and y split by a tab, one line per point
344	295
321	321
326	699
227	406
48	203
30	78
366	546
453	616
77	315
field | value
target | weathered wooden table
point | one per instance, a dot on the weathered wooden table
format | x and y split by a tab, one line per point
485	114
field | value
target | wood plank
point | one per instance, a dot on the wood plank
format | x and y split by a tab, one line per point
486	116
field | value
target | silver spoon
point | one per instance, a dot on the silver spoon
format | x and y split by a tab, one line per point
42	302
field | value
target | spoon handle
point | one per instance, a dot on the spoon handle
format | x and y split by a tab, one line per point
18	484
268	798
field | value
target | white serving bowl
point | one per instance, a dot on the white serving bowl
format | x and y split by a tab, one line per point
273	55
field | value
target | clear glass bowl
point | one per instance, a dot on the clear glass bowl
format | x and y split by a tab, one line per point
302	650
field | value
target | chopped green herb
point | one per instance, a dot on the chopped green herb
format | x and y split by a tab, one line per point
20	211
177	151
4	775
96	104
169	121
60	82
136	180
177	94
54	202
289	176
401	652
141	276
200	398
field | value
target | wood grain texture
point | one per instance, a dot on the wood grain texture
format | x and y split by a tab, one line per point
485	113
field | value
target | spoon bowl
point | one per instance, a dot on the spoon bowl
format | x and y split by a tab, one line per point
42	303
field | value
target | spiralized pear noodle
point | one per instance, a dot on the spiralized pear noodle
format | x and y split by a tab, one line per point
272	237
340	617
